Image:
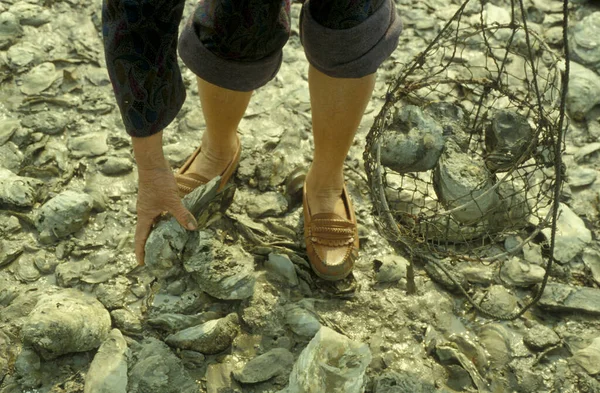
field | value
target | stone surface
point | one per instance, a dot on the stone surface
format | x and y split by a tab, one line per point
126	321
589	357
51	122
321	367
65	322
583	44
506	140
17	190
540	337
157	369
413	141
301	321
572	236
209	338
584	91
390	268
281	267
9	251
269	204
89	145
521	274
561	297
108	371
63	215
275	362
499	301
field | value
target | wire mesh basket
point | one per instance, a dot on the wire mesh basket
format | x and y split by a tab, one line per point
466	149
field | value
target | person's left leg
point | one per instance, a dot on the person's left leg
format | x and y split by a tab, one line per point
345	42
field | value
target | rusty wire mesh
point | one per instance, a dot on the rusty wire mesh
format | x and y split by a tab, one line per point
466	149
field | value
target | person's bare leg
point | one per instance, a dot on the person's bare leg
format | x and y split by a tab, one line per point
337	106
223	110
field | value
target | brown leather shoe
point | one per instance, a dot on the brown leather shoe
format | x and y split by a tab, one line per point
327	231
187	182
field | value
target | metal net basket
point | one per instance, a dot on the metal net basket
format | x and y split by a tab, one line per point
466	148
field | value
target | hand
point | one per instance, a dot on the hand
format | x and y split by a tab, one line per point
157	193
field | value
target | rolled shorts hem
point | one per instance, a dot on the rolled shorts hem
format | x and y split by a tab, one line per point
355	52
228	74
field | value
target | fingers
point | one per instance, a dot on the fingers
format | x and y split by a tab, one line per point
142	231
183	216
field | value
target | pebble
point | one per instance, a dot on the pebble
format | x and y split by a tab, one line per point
521	274
88	145
11	157
477	274
589	357
223	272
301	321
320	368
540	337
499	301
9	251
390	268
176	322
25	270
268	204
403	381
126	321
584	91
277	361
40	78
50	122
113	166
209	338
108	370
496	341
112	294
31	14
157	369
572	236
281	267
17	190
27	368
591	258
562	297
65	322
63	215
7	129
581	177
10	29
69	274
583	44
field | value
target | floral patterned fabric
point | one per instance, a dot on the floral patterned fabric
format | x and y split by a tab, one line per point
141	37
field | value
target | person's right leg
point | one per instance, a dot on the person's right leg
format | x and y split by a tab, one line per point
233	47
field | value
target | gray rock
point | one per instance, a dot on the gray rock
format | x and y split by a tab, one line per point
268	204
112	166
280	266
320	368
40	78
108	370
584	90
583	44
27	368
413	141
462	182
192	359
540	337
391	268
65	322
477	274
7	129
589	357
31	14
63	215
561	297
499	301
402	382
176	322
50	122
591	258
166	242
11	157
580	177
572	236
88	145
112	293
263	312
521	274
25	269
10	29
209	338
9	251
496	341
126	321
225	272
301	321
159	370
69	274
277	361
16	190
506	140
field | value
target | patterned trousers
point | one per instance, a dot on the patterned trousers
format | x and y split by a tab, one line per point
234	44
